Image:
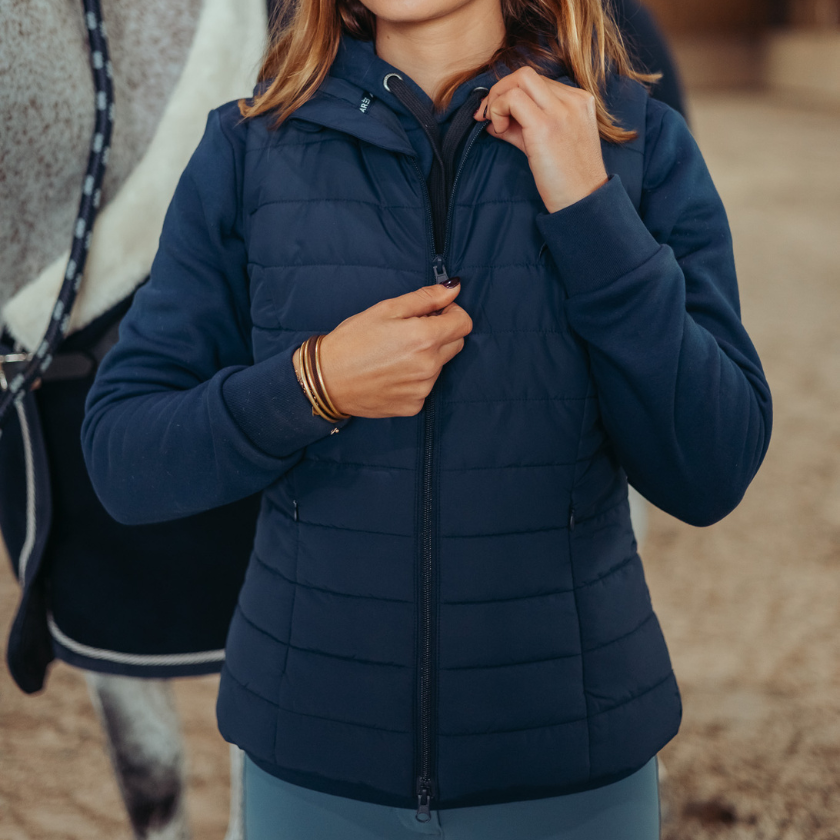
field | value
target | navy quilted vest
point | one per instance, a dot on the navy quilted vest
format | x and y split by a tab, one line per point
456	596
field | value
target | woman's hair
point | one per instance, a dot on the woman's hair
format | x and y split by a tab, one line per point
581	34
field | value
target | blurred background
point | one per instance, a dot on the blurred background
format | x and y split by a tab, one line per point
787	46
749	606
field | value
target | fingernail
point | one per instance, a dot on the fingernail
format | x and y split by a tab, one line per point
451	282
484	115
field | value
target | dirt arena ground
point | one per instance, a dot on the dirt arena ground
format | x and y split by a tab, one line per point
751	607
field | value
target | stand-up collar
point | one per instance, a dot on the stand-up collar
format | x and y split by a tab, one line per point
358	64
353	98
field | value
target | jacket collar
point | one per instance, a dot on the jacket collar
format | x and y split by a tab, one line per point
353	98
344	107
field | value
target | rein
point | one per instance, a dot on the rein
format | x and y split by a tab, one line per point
29	367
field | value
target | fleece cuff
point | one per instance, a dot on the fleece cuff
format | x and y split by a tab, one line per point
598	239
268	404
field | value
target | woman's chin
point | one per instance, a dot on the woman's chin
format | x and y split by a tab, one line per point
411	12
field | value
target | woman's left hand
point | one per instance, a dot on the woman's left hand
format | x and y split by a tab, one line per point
555	125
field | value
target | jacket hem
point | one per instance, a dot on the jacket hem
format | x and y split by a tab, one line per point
363	793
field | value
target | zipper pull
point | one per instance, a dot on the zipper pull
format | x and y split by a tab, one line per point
572	518
424	800
439	269
294	502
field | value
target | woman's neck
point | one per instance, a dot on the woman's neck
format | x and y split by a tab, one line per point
430	51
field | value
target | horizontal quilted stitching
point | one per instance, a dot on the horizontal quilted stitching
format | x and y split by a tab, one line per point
524	653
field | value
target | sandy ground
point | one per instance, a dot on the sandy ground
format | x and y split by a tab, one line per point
750	606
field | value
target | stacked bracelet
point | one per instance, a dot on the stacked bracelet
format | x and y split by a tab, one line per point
312	381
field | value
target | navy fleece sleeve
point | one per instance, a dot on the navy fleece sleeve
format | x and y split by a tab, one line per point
180	419
680	387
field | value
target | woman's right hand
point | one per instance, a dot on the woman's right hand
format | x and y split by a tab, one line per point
383	361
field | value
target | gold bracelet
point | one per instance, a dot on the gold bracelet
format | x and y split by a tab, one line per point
306	367
319	406
303	379
316	383
337	415
297	371
311	380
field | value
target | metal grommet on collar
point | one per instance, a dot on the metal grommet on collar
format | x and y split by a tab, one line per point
480	87
390	76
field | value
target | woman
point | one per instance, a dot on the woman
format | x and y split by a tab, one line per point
444	626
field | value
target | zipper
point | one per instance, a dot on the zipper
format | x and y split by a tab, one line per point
425	789
439	259
470	143
425	786
439	269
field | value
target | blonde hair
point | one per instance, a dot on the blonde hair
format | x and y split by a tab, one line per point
582	34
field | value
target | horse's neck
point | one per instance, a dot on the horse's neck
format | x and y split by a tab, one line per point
46	113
